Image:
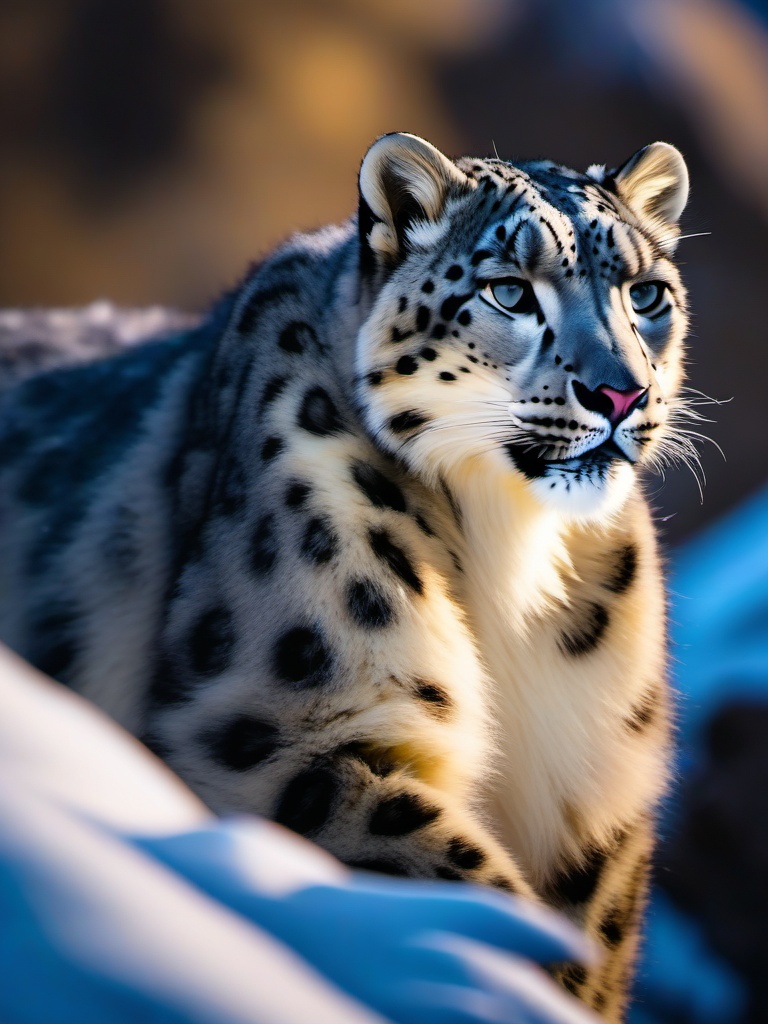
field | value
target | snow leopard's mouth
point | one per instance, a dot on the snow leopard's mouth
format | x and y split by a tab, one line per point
601	455
594	461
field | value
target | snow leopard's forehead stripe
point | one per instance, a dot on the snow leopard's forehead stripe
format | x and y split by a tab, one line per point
549	220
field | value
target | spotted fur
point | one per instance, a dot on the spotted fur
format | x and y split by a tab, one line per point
365	551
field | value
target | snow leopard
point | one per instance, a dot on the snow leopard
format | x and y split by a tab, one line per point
365	549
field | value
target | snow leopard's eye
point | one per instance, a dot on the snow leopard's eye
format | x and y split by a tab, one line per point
511	295
648	297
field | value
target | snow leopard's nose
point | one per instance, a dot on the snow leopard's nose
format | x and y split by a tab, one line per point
614	405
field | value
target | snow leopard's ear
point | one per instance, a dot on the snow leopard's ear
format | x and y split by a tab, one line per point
654	185
404	184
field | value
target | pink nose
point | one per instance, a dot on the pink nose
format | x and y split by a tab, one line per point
623	402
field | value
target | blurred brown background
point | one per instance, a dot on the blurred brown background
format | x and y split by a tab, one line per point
152	148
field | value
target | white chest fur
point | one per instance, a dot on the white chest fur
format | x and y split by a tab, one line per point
569	771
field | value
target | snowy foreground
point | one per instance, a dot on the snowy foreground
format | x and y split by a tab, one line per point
122	900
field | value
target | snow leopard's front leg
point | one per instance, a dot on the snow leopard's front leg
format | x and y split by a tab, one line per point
372	813
372	806
603	886
607	895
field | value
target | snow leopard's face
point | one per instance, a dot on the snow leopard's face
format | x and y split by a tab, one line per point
529	316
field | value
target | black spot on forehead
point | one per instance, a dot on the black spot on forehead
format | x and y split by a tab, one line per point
548	175
566	190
